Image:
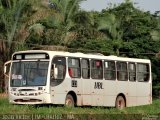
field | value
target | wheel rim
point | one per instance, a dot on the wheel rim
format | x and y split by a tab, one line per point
69	102
120	104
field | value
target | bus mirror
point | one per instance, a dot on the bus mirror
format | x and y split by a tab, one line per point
5	69
55	72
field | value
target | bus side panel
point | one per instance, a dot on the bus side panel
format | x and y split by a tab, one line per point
58	98
59	92
110	92
86	92
132	94
97	94
143	93
122	87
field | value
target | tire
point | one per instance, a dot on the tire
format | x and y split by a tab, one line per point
69	102
120	103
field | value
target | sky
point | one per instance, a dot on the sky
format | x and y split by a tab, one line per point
98	5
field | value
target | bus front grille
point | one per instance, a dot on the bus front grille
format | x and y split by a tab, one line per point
29	100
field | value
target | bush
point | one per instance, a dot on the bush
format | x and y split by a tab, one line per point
156	91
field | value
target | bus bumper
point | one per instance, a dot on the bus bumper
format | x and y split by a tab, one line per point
39	99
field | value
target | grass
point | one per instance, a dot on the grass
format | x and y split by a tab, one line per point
81	112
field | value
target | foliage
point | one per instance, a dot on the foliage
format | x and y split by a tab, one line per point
136	27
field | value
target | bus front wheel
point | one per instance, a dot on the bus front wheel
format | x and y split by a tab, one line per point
120	103
69	102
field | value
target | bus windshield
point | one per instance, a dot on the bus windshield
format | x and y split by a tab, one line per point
29	73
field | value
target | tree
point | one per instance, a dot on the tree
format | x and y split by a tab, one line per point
63	19
137	28
108	24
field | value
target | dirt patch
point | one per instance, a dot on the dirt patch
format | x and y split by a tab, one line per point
3	95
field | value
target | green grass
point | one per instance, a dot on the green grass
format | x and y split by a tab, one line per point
81	112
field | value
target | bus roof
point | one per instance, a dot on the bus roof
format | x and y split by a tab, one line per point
85	55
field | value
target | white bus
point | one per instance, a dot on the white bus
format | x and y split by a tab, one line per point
54	77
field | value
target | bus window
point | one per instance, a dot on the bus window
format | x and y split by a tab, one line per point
109	70
85	68
96	69
74	69
58	70
142	72
25	73
122	71
132	71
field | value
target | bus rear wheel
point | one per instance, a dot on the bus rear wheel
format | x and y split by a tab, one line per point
69	102
120	103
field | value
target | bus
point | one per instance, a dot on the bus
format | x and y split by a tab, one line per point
78	79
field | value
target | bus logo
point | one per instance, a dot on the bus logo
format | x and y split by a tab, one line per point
98	85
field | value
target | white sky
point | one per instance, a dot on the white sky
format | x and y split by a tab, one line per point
98	5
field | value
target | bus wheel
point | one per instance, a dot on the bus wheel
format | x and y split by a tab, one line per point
120	103
69	101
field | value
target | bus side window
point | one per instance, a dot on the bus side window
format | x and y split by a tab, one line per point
58	70
143	72
74	68
85	68
122	71
132	71
109	70
96	69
